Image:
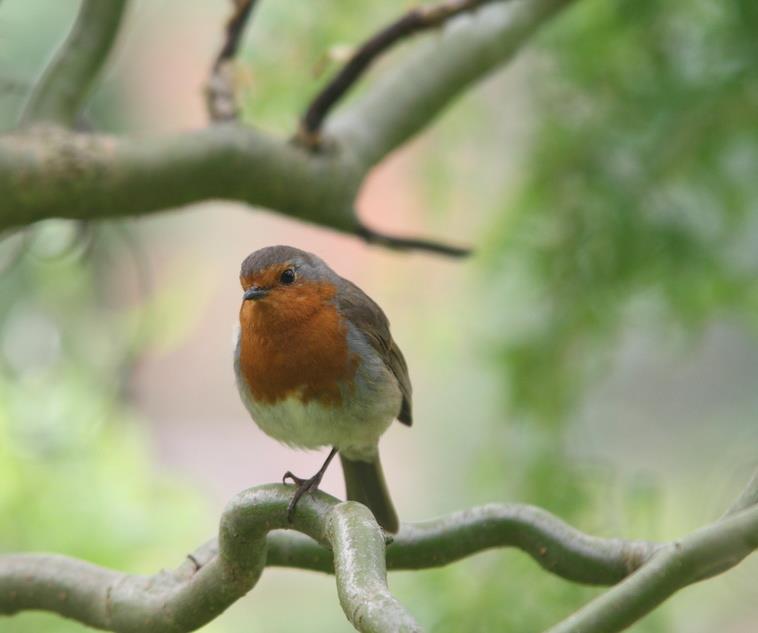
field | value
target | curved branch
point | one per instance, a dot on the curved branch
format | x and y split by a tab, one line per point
55	173
407	99
49	172
194	594
705	553
221	571
414	21
553	544
64	86
359	566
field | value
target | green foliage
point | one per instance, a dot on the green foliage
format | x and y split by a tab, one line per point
637	204
640	186
507	591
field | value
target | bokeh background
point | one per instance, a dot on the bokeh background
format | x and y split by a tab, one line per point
597	356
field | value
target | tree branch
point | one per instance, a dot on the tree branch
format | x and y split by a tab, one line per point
188	597
219	93
49	172
56	173
409	97
62	90
705	553
223	570
398	243
360	570
220	572
414	21
554	545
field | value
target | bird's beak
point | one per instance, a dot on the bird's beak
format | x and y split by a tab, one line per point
254	293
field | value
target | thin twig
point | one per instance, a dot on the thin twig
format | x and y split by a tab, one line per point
370	236
415	21
220	95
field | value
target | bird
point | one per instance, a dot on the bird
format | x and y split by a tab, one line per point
316	366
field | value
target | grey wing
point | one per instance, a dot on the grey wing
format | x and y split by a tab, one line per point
398	366
369	318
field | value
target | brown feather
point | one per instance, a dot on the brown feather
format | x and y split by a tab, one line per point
279	353
358	308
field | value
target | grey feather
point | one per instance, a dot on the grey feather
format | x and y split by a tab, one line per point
356	306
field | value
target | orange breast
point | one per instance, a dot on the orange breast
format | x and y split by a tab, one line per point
295	342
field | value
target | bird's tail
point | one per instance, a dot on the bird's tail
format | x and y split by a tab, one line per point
364	482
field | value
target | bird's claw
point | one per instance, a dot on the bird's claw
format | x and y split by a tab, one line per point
303	486
298	481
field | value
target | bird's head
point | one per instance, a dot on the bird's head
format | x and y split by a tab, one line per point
285	284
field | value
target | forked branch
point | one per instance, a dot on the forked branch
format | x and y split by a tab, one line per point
52	172
214	578
705	553
343	538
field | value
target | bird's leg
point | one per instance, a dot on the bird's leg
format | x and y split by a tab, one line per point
305	485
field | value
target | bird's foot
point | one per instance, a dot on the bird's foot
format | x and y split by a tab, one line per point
305	485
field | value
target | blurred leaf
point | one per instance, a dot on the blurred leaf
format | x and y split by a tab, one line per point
640	183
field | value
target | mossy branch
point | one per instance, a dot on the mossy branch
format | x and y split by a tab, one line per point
703	554
53	172
214	577
343	538
334	536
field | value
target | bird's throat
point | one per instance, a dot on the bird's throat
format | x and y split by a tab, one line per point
295	350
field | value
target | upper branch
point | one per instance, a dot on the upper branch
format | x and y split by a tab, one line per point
53	173
48	172
409	97
412	22
62	90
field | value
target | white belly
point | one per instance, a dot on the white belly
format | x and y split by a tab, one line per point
353	427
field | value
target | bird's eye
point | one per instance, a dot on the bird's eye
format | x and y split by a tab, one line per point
287	276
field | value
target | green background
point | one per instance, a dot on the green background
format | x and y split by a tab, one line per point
596	357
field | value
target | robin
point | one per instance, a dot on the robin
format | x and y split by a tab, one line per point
316	366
